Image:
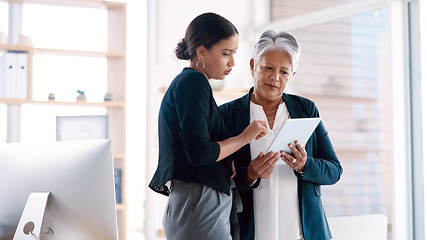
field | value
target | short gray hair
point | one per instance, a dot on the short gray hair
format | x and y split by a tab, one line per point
283	41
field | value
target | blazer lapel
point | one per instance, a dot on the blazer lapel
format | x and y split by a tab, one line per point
242	114
294	109
242	119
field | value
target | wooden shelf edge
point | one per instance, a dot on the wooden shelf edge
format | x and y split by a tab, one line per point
72	3
112	104
15	48
118	156
356	150
120	207
316	96
62	52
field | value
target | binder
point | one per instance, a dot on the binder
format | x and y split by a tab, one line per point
10	75
21	75
118	184
2	74
14	75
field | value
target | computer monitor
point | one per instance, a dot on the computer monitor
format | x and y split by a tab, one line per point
80	178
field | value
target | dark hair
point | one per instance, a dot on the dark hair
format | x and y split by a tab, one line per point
206	29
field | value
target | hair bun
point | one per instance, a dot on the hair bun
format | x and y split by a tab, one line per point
181	50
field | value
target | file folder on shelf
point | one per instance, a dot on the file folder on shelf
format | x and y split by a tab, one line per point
14	75
2	74
21	73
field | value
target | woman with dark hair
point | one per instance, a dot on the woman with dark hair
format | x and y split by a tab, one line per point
192	148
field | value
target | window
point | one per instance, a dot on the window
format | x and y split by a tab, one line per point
345	68
72	28
418	56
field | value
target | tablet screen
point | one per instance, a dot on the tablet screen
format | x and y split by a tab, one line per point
293	129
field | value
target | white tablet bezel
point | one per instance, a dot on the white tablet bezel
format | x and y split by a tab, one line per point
293	129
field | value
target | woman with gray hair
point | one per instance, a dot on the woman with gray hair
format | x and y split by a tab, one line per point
286	203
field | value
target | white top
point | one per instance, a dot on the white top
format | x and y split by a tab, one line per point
276	198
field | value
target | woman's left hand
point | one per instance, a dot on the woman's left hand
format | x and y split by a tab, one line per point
297	159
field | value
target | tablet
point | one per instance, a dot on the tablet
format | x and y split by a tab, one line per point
293	129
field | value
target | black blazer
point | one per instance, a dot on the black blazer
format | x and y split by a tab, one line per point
322	167
189	127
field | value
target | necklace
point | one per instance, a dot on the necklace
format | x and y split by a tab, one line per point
270	111
271	120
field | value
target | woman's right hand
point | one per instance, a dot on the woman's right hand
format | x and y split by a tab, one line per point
262	166
255	130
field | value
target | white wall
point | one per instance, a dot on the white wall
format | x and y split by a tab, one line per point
136	74
423	27
173	19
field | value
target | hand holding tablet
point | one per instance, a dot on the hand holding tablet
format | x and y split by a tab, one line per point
293	129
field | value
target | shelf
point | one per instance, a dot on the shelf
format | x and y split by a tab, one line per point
120	207
118	156
69	3
112	104
108	54
63	52
333	98
356	150
15	48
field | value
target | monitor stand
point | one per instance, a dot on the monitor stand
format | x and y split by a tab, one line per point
30	224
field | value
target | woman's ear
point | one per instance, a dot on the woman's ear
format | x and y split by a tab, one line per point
252	65
201	51
292	76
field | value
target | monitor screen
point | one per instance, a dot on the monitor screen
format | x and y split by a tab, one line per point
80	178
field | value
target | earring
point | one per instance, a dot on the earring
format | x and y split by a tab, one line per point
200	62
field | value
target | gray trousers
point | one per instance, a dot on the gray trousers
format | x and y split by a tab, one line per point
197	212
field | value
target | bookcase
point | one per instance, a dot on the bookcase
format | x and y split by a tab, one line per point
115	57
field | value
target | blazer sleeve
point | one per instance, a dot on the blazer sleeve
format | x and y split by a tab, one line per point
193	98
323	166
241	179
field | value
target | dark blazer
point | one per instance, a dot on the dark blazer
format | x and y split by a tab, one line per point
189	126
322	167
